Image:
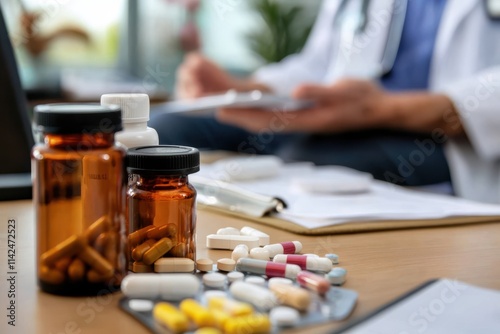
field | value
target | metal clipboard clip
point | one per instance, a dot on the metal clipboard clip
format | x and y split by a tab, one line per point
226	196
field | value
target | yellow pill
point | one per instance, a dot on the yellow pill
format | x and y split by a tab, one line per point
101	225
208	330
219	318
91	257
258	323
52	276
68	247
76	270
139	250
138	236
229	306
159	249
197	313
169	316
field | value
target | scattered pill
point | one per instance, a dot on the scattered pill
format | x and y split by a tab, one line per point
209	294
283	316
196	312
313	282
256	295
141	305
289	247
263	237
239	252
204	265
257	280
234	276
170	287
336	276
225	264
291	295
268	268
250	324
228	231
169	316
208	330
232	307
333	257
217	241
305	262
160	248
214	280
174	265
219	318
279	280
259	253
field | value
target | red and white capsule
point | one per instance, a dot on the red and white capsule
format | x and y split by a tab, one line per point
289	247
268	268
313	282
305	262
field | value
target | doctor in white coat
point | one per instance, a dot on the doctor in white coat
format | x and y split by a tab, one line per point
459	108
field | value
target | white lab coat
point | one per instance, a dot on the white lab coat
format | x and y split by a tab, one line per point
465	66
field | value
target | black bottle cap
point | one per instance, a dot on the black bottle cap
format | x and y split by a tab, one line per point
163	159
77	118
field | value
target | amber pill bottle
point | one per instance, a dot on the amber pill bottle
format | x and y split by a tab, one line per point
79	188
161	204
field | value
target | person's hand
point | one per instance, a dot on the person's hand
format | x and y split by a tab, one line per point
354	105
198	76
346	105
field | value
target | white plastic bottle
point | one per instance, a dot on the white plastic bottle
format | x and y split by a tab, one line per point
135	115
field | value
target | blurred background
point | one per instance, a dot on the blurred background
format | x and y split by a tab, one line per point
78	50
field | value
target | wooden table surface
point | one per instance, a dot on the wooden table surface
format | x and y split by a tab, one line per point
380	266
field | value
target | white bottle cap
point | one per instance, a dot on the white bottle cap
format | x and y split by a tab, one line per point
135	107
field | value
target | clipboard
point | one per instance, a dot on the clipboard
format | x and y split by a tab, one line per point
231	200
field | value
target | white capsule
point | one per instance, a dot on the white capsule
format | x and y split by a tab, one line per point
228	231
305	262
257	280
151	286
333	257
214	280
239	252
221	241
141	305
283	316
289	247
336	276
279	280
259	253
253	294
263	237
234	276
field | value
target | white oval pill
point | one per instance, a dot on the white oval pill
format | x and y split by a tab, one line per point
228	231
337	276
259	253
239	252
214	280
234	276
263	237
141	305
256	295
279	280
333	257
257	280
284	316
214	294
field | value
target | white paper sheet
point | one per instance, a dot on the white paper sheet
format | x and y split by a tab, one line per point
446	306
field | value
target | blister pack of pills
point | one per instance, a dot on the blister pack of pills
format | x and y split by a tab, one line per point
337	304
